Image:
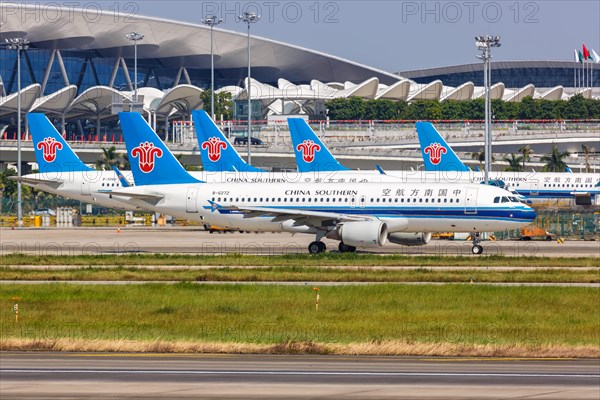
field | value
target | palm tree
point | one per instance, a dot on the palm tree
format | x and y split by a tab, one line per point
110	158
515	163
479	156
555	160
586	154
527	152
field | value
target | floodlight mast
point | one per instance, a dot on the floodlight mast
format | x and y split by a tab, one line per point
19	44
135	37
485	44
212	21
249	18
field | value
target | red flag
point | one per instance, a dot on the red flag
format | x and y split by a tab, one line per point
586	53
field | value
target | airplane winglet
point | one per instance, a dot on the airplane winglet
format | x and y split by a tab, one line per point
120	177
381	171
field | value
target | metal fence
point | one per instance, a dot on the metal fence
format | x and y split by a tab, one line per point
569	224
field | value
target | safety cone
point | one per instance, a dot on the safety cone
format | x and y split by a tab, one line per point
118	230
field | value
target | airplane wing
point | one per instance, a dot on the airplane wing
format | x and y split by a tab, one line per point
300	217
151	198
36	181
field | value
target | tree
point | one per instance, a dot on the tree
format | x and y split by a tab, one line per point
110	158
479	156
381	109
586	154
514	163
555	160
223	104
526	152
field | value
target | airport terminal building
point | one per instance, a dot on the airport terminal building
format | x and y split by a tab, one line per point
79	63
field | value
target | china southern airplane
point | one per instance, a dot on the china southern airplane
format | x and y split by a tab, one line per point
61	172
443	165
359	215
439	156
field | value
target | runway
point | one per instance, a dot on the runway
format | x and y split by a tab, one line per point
65	375
78	241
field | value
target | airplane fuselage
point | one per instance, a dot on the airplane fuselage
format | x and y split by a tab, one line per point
411	207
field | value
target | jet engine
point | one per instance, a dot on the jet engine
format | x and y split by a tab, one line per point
410	238
372	233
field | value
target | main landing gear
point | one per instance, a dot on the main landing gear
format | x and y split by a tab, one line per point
477	248
344	248
316	247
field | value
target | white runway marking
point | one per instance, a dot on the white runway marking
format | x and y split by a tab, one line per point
292	373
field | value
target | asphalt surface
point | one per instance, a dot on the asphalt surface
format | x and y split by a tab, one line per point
69	376
76	241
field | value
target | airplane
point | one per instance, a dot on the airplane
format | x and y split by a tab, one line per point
443	165
61	172
439	156
64	174
364	215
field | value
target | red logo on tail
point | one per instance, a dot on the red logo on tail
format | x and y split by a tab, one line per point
146	153
214	146
308	149
49	146
435	151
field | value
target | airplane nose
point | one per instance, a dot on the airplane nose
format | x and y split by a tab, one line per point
529	213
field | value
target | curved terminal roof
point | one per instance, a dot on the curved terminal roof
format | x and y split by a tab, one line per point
76	29
57	102
29	94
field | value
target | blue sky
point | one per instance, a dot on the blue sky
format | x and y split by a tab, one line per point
396	35
404	35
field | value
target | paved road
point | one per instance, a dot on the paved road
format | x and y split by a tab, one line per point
63	375
193	240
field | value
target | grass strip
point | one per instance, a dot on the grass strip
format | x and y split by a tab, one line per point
303	274
381	319
299	260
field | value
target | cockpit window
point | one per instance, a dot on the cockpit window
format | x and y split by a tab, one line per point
496	199
505	199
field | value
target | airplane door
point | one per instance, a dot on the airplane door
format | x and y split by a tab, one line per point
353	202
85	187
535	187
362	201
471	201
191	203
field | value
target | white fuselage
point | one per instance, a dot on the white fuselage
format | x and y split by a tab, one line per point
404	207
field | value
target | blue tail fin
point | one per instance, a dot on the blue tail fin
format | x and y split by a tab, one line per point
217	153
437	154
151	161
311	153
52	152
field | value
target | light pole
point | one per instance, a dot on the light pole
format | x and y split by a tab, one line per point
135	37
249	18
212	20
485	44
18	44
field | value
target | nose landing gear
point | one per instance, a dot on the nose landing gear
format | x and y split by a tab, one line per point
477	248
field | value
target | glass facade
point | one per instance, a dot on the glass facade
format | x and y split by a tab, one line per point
516	77
88	68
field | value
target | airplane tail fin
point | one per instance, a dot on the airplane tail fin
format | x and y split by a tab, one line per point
52	152
311	154
152	163
218	155
437	154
